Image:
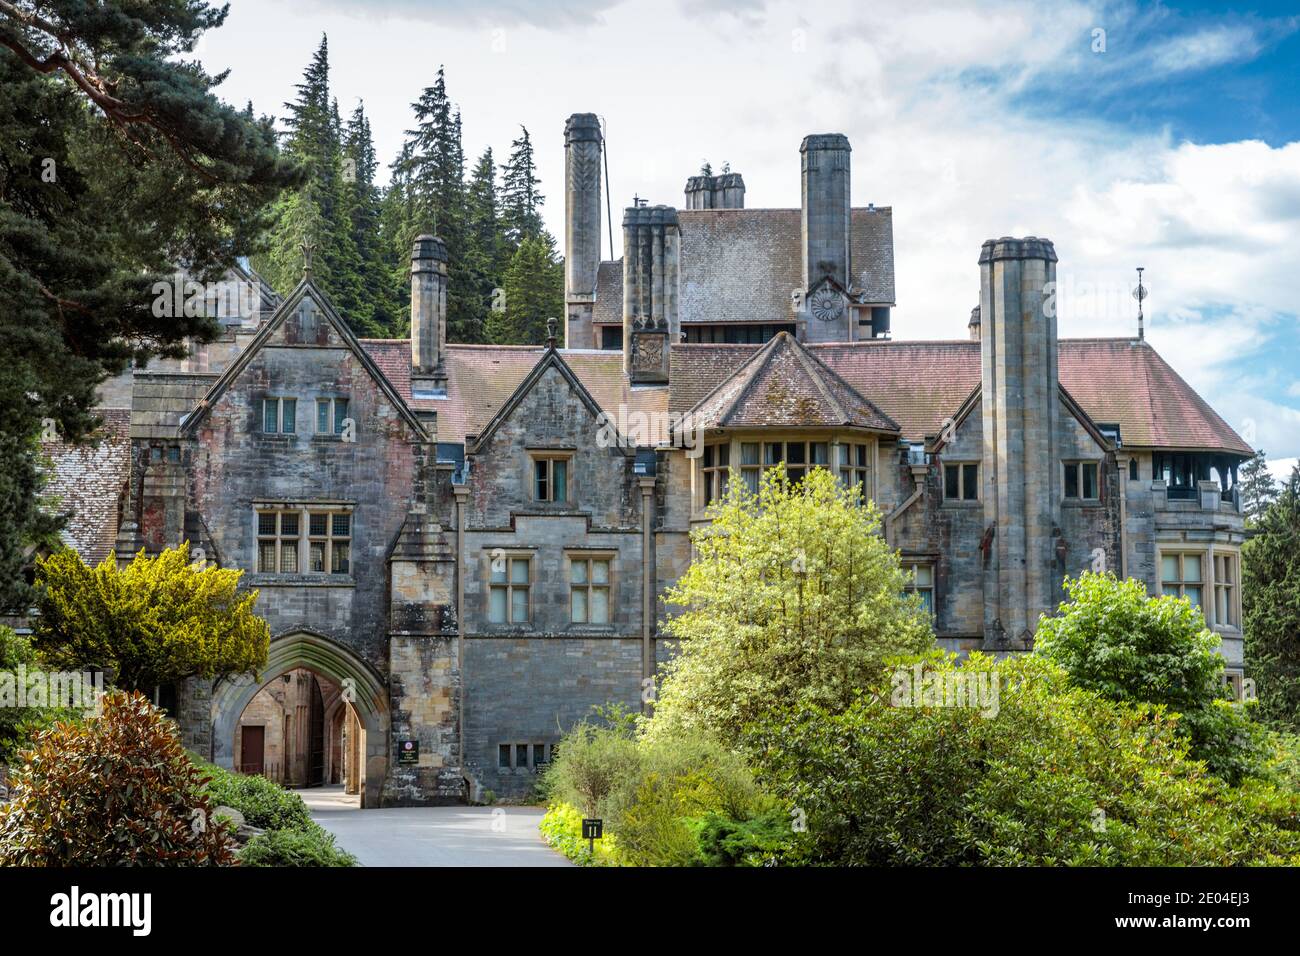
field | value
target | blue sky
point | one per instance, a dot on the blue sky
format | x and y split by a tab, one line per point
1174	145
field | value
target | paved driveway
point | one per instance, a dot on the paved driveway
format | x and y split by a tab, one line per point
433	836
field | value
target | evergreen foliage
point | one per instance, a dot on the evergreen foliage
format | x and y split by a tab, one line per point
1271	607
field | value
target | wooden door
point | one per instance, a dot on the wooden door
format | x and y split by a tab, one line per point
252	753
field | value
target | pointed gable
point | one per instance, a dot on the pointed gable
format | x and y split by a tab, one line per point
551	359
783	384
306	318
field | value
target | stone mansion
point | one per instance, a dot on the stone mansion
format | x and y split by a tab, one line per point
456	563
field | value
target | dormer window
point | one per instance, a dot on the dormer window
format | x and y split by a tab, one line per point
279	416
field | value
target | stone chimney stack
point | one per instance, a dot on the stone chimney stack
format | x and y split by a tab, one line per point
826	215
582	146
1019	472
428	312
726	191
651	290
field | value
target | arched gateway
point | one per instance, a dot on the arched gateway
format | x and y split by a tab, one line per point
362	688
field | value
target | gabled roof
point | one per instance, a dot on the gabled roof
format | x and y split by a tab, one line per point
480	378
551	359
783	384
304	289
743	265
919	384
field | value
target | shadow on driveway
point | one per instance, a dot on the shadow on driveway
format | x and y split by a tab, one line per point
433	836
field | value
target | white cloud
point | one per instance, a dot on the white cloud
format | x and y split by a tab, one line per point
932	98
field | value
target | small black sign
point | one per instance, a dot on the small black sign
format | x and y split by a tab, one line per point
408	751
592	828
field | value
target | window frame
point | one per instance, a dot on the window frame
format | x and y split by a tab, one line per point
963	469
589	560
1079	467
330	542
283	404
1180	586
549	459
856	471
509	586
298	543
331	405
911	566
715	473
1226	588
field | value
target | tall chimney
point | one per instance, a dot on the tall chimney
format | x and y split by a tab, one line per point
826	215
582	146
651	290
1019	471
428	311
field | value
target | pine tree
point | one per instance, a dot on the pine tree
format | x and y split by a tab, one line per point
521	201
138	137
434	168
533	289
1258	487
483	251
1271	606
319	213
376	311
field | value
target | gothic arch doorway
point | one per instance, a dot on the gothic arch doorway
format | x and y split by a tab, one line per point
339	715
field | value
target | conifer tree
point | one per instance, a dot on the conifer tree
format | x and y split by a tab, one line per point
533	289
1271	607
1258	486
521	200
483	257
106	122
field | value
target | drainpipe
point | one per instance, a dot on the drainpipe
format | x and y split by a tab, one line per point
462	496
1123	521
647	590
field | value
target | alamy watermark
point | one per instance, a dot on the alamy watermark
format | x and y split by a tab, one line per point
919	686
71	690
630	428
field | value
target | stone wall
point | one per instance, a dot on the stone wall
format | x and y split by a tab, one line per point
531	690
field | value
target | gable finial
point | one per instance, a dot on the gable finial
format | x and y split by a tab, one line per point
308	249
550	333
1140	293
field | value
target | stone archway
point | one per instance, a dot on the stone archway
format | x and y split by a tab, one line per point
305	649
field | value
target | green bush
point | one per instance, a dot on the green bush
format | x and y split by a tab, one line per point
1054	774
18	725
593	762
264	804
1112	638
301	847
652	793
113	790
725	841
561	827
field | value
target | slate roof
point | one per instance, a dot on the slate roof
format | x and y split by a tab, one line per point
782	383
160	400
743	265
481	378
919	384
87	481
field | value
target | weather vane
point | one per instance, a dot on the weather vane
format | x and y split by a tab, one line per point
1140	293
